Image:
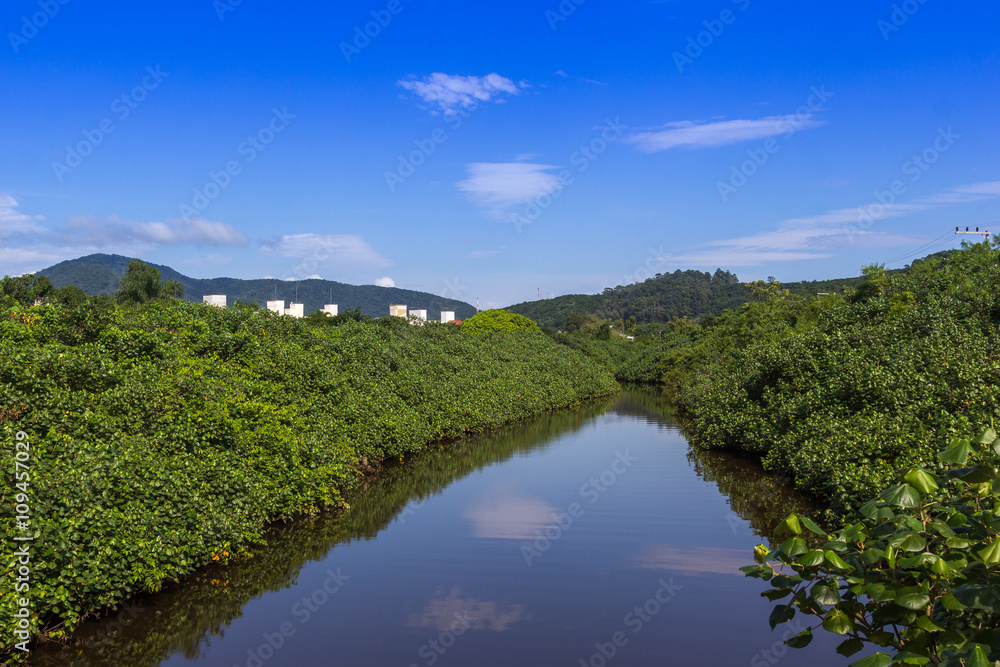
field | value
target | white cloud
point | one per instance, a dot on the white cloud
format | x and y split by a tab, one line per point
695	134
449	93
385	282
337	251
506	517
13	221
817	236
104	231
501	185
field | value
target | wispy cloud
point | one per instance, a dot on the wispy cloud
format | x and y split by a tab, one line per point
13	221
30	244
449	93
820	236
340	251
482	254
697	134
498	186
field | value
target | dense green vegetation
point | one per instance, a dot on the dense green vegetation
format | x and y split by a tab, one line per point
918	572
664	297
842	391
497	320
180	617
101	274
852	396
166	436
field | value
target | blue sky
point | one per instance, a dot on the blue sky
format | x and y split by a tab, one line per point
491	149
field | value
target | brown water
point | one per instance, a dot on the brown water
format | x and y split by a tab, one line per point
590	537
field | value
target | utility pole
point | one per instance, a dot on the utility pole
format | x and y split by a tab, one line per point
984	233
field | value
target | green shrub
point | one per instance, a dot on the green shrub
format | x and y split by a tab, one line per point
917	571
166	436
497	320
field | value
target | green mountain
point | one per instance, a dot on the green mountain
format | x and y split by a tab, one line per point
660	299
99	274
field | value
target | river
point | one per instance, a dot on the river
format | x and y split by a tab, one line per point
590	537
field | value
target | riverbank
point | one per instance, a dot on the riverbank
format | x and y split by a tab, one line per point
168	436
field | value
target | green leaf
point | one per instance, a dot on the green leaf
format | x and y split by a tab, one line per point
957	455
800	640
902	495
812	559
811	525
958	543
794	546
979	659
877	660
789	525
914	543
781	613
850	647
838	622
836	561
925	623
951	603
991	554
922	481
986	437
777	593
912	598
879	593
825	594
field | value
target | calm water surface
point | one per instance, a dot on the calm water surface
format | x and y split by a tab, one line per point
590	537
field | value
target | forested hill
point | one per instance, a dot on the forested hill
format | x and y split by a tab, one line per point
99	274
660	299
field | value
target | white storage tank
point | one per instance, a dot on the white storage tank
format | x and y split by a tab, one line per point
218	300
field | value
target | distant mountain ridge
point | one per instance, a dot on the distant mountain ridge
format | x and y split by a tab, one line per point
99	274
666	296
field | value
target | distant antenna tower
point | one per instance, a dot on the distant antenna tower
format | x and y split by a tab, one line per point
477	305
539	294
984	233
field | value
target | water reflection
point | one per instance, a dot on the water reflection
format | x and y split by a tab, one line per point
184	617
693	561
443	613
452	566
